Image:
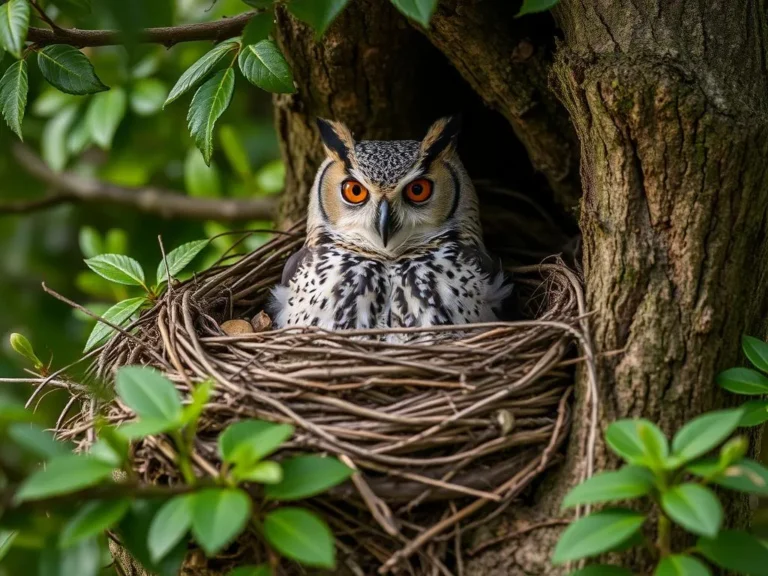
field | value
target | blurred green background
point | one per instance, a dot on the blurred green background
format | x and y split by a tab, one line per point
148	146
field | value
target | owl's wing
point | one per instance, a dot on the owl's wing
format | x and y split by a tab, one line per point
485	263
293	264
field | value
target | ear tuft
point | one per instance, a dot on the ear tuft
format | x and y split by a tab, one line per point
337	140
441	137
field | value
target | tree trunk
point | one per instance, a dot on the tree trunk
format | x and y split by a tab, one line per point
667	101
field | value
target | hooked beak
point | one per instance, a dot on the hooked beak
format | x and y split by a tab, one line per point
383	221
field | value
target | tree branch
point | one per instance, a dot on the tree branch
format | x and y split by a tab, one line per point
167	36
69	188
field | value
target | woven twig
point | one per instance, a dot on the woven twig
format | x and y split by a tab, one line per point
437	428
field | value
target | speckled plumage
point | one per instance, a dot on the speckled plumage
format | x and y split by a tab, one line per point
433	271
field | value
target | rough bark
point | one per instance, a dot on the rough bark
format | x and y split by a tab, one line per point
669	103
507	62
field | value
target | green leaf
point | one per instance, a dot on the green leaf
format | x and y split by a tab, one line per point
743	381
250	440
116	447
116	241
90	242
200	395
105	112
6	541
179	258
602	570
69	70
201	69
736	550
261	570
14	23
208	104
597	533
270	178
756	351
201	179
694	507
258	28
133	532
148	393
755	413
93	518
704	433
101	450
54	140
169	526
117	268
234	151
745	476
13	95
259	3
146	427
532	6
320	13
681	565
305	476
38	441
148	96
79	137
264	65
300	535
629	482
51	101
63	474
419	10
734	450
218	517
83	559
638	441
118	315
261	472
21	345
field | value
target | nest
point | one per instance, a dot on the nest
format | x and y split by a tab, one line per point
438	429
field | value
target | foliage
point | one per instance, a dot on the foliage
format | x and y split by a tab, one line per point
677	481
121	269
69	70
64	503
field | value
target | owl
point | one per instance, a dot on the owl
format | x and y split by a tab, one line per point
393	239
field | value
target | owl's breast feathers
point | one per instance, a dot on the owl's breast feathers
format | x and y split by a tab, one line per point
336	286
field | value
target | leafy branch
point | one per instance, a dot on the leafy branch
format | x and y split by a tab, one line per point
246	38
81	501
677	482
167	36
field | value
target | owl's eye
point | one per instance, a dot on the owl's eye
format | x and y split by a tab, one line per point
354	192
419	191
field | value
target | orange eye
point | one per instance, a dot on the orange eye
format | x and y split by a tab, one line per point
354	192
419	190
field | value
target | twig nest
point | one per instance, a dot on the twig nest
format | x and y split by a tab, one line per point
438	429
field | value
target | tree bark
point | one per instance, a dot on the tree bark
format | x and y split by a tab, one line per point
668	102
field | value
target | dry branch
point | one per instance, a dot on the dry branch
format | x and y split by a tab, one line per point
68	187
167	36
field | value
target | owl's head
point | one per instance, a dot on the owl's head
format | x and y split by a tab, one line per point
387	195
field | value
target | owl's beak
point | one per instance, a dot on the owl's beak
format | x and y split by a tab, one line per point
383	221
